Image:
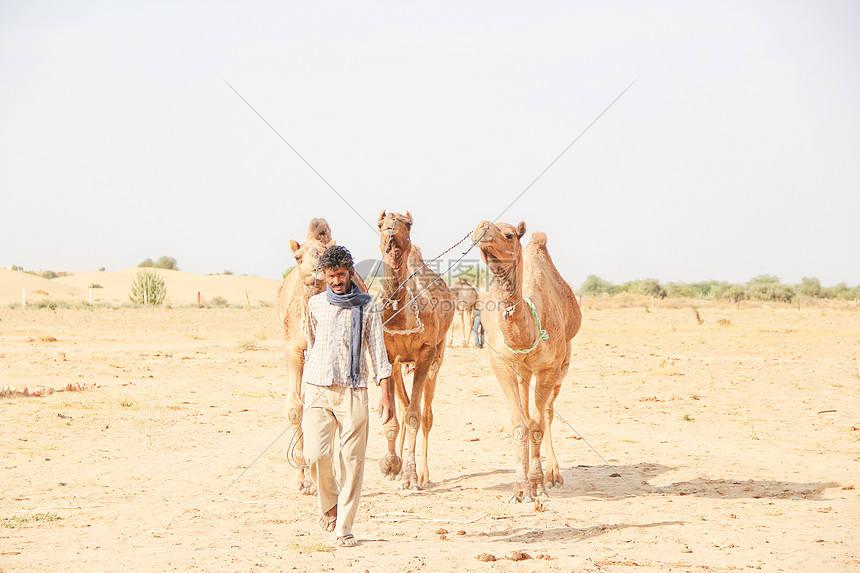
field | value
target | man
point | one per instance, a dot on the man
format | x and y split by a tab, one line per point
343	322
478	328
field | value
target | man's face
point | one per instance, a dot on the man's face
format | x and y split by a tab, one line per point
339	279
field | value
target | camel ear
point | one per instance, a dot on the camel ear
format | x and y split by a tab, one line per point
331	244
294	246
408	218
521	229
381	219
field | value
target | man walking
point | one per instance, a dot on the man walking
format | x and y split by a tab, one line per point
343	323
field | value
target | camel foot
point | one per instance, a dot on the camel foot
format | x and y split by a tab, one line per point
410	480
553	478
538	490
307	488
424	479
390	465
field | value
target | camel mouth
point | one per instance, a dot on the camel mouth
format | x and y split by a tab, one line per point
312	278
482	236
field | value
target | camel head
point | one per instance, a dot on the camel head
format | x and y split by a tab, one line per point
395	242
307	258
501	248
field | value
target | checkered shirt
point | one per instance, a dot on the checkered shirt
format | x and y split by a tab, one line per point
328	335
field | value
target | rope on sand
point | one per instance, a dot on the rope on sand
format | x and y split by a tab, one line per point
414	517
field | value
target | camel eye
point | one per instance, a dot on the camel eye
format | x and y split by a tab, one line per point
509	236
298	258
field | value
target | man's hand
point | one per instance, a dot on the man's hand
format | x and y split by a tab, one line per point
385	410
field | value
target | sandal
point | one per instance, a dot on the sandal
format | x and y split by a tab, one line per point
347	540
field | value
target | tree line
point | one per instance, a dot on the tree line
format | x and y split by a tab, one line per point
762	287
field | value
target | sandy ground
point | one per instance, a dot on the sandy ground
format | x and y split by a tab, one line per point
723	446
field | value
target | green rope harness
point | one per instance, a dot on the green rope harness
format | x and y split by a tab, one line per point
541	336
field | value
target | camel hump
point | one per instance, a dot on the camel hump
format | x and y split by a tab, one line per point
319	230
538	239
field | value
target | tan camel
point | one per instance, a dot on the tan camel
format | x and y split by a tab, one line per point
529	325
292	303
416	314
465	298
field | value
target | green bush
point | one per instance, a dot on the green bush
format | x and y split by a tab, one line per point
593	284
162	263
681	290
288	271
704	288
148	288
809	286
648	287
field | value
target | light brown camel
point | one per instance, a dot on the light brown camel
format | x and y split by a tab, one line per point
416	314
292	303
524	343
465	298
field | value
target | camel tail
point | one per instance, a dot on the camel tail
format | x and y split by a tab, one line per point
538	239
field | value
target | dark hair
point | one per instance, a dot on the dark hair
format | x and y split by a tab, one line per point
336	257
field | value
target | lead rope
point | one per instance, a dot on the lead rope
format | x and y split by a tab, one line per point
542	334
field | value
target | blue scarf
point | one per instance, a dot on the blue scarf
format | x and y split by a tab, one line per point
354	299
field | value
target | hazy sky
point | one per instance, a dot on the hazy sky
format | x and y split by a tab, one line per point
736	153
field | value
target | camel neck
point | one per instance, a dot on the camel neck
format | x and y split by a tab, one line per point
514	317
507	290
391	281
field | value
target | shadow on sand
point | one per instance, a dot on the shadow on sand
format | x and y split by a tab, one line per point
615	482
531	535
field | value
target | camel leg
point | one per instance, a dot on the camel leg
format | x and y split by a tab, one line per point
509	380
402	402
553	477
427	415
412	419
293	409
547	386
464	319
391	463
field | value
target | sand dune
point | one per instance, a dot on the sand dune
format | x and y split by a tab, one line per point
14	283
182	288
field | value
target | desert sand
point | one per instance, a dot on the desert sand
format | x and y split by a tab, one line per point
729	445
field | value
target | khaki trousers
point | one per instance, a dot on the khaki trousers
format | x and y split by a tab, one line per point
336	409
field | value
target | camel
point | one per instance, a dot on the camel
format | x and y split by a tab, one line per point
529	327
416	314
292	304
465	298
